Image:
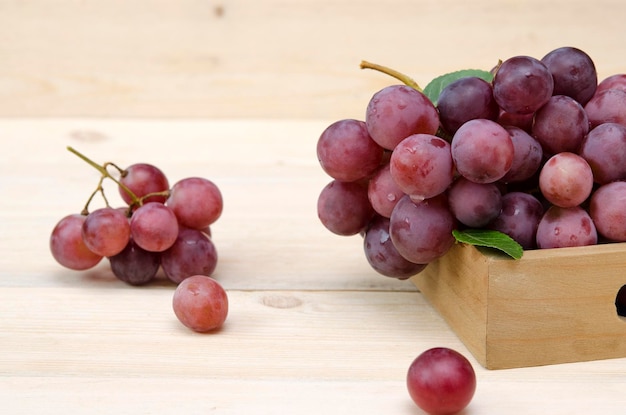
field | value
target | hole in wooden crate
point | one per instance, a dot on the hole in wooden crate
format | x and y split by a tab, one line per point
620	302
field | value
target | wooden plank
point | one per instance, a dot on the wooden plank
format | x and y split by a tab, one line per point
269	58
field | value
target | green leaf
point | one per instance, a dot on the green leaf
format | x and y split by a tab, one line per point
434	88
490	239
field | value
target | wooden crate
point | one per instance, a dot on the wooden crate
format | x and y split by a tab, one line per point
552	306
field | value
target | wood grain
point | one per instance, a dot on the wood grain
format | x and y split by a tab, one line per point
269	58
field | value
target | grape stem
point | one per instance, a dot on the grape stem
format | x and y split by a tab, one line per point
405	79
105	174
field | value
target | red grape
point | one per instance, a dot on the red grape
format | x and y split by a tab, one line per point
522	85
527	156
193	253
346	151
441	381
608	212
196	202
563	227
135	265
344	207
153	227
566	180
482	151
141	179
383	192
106	231
604	148
466	99
519	218
474	204
616	81
383	256
200	303
573	71
398	111
608	105
422	231
560	125
421	165
67	245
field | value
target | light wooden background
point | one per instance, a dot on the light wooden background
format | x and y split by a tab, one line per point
238	91
268	58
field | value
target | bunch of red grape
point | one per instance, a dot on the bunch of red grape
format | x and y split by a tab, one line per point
535	149
159	227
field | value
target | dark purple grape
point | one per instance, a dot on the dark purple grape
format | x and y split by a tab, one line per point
466	99
519	218
522	85
474	204
560	125
383	192
383	256
344	207
574	73
422	231
134	265
604	148
527	156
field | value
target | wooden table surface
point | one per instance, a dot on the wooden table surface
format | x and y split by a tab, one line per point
311	329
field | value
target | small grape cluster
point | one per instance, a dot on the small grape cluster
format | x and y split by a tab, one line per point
158	227
534	150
